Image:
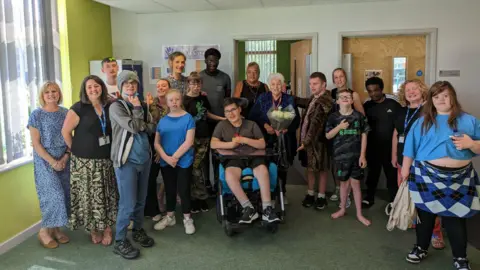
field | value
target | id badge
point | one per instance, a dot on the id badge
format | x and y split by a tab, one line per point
104	140
401	138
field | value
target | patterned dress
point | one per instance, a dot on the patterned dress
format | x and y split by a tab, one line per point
53	188
181	84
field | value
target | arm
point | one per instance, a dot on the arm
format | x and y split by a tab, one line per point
394	148
215	117
255	143
357	103
228	89
70	123
476	147
238	90
132	123
363	150
186	145
216	143
158	147
39	149
302	102
333	132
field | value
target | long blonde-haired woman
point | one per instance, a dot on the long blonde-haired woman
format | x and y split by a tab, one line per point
51	164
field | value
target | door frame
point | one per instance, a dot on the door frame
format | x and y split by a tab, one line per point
430	53
313	36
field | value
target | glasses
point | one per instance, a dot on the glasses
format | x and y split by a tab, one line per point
230	111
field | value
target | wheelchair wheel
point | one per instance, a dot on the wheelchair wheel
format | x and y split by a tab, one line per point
219	210
227	227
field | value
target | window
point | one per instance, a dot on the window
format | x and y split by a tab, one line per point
27	59
399	72
264	52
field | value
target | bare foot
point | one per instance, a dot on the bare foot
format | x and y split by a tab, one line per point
363	220
340	213
107	237
96	237
60	236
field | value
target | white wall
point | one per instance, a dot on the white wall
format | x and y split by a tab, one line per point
142	36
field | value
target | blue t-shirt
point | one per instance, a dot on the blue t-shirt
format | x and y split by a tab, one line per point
436	142
173	133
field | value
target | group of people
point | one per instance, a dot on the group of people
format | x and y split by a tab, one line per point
112	159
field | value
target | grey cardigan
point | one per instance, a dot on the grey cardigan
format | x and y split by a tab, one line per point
126	123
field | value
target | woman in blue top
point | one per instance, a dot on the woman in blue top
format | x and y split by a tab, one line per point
437	162
173	142
276	98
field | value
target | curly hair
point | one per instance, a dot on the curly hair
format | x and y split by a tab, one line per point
401	91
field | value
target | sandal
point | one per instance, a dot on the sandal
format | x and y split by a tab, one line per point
96	237
107	237
60	237
50	245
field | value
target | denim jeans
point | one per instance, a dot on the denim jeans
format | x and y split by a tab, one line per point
132	181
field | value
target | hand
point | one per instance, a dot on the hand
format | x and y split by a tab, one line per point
157	158
394	161
203	93
238	140
464	142
57	166
405	173
171	161
135	101
343	125
149	99
234	143
362	161
269	129
301	148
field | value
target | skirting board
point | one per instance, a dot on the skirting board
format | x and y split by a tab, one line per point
19	238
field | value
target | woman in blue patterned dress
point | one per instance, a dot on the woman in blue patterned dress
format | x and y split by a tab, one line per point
51	165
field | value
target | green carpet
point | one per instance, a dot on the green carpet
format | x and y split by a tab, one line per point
309	240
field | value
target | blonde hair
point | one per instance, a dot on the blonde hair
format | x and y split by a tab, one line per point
45	87
174	91
253	64
401	91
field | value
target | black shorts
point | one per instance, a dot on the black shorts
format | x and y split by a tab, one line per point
345	170
244	163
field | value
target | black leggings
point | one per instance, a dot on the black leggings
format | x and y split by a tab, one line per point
177	180
456	230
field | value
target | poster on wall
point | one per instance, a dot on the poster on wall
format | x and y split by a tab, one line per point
192	52
373	73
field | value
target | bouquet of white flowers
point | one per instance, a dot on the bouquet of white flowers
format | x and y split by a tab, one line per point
281	118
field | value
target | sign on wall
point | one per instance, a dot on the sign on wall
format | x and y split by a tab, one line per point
192	52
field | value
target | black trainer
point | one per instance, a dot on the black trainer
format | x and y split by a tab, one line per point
321	203
367	203
416	255
248	215
461	264
195	206
125	249
269	215
308	201
204	206
141	237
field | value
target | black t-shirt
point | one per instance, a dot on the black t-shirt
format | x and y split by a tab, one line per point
198	108
85	143
381	118
347	144
413	115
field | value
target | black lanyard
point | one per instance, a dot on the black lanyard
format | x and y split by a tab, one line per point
407	120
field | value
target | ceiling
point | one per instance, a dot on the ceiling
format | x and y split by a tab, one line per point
169	6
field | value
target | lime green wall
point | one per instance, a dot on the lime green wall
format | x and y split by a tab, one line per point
283	58
85	34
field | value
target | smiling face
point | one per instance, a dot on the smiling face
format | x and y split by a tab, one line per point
51	95
253	73
276	87
162	88
413	93
110	69
212	62
129	88
177	64
374	92
94	90
339	79
194	87
345	99
442	102
174	100
232	113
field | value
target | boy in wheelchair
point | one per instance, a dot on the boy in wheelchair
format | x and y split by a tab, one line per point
235	133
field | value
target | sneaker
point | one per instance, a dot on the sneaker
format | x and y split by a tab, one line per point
269	215
164	222
367	203
416	255
320	203
204	206
308	201
461	264
195	204
189	227
157	218
125	249
335	196
248	215
141	237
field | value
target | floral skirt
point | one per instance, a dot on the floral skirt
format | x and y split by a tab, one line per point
445	193
93	194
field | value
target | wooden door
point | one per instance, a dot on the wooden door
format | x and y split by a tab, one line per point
298	66
377	53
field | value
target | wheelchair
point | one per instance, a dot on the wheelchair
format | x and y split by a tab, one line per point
229	209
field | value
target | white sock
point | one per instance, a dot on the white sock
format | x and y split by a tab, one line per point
320	195
310	192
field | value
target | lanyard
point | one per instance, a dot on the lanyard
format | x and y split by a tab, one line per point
278	103
103	121
407	120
